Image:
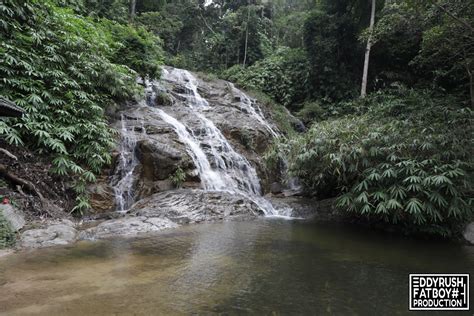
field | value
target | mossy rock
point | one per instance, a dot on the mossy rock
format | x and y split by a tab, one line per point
163	99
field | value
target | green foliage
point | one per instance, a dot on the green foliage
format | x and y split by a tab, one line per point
447	53
404	158
63	70
7	236
166	26
310	112
246	139
334	54
284	76
178	177
136	48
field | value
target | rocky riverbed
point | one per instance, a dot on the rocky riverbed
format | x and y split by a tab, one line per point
160	211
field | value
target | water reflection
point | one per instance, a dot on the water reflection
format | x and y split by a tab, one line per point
267	266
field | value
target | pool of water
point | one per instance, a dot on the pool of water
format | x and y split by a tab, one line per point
268	266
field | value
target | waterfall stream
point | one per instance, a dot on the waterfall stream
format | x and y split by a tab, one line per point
123	179
220	167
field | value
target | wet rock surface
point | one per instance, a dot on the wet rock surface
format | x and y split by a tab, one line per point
194	206
102	198
155	213
52	233
246	124
307	208
127	227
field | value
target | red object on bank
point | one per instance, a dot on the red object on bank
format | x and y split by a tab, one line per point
5	201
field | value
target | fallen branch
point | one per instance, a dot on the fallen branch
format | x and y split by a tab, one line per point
9	154
22	182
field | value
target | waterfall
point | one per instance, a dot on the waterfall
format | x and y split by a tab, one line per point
123	180
220	167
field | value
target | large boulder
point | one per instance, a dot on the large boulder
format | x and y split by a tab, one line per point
126	227
193	206
469	233
52	234
102	197
13	216
159	161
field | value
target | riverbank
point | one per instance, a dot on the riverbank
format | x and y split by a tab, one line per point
162	211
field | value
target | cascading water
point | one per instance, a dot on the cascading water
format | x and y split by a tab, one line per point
123	180
234	171
220	167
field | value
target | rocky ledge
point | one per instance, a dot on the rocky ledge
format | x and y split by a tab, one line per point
160	211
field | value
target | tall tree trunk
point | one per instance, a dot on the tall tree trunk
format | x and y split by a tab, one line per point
247	36
363	91
471	85
133	5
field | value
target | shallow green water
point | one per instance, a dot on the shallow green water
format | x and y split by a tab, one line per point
268	266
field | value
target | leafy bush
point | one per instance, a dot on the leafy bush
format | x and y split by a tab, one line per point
404	158
310	112
178	177
135	47
283	76
58	67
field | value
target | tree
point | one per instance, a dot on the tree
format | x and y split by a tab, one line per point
133	5
363	92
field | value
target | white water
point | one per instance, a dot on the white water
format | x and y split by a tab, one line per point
234	170
211	180
123	184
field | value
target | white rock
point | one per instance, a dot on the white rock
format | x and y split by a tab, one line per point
14	216
469	233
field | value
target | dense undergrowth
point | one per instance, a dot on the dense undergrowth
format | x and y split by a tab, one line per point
401	156
64	69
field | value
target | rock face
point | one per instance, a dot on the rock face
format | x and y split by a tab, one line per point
127	226
158	160
53	234
171	209
194	206
102	197
14	216
469	233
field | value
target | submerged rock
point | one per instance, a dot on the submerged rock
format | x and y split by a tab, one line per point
53	234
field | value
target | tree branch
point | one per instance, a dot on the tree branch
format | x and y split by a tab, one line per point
459	20
9	154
